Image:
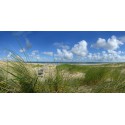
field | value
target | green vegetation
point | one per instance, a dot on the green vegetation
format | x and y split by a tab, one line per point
19	76
74	68
16	76
106	78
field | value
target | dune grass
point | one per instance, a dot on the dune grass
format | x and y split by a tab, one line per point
74	68
115	84
106	78
96	75
17	76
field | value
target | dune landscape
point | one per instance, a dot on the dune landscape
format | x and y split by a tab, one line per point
62	62
16	77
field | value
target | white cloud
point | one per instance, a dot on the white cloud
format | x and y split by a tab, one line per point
112	43
35	54
22	50
80	49
61	45
107	56
112	52
64	54
101	43
48	53
111	46
94	57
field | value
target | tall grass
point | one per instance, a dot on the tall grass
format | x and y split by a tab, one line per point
57	83
116	84
74	68
104	78
20	77
20	74
96	75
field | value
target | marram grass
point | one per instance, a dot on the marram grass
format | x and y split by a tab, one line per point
17	76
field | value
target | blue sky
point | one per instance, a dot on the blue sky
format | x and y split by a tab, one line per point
64	45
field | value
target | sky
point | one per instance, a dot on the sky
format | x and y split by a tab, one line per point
72	46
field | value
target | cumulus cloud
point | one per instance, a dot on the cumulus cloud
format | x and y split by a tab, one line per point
61	45
48	53
64	54
112	43
79	52
111	52
106	56
80	49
